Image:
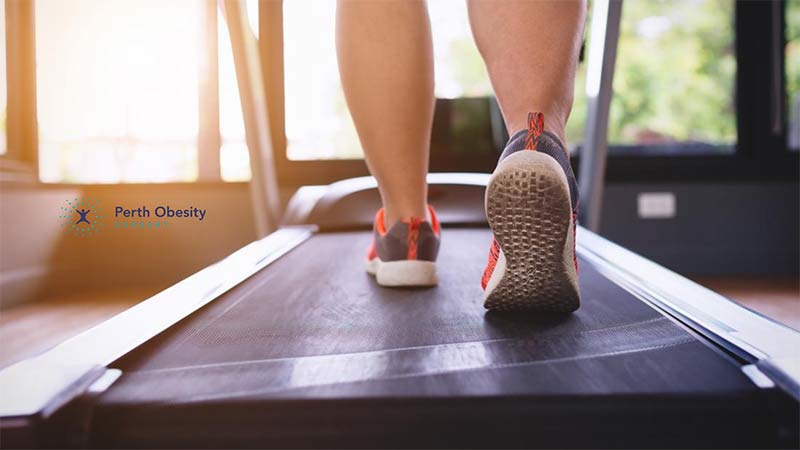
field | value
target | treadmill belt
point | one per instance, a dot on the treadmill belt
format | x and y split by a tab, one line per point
311	351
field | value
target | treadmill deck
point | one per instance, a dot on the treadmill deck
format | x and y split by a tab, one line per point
311	351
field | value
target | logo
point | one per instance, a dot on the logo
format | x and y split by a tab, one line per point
134	218
84	217
81	217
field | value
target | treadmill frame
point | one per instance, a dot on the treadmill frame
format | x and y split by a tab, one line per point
771	346
36	388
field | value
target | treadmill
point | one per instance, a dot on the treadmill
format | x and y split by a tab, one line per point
287	342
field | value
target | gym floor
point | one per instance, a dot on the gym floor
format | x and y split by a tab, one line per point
28	329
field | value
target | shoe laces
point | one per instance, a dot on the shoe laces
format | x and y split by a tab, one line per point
413	236
535	130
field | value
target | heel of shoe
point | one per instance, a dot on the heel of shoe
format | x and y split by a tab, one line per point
406	273
529	211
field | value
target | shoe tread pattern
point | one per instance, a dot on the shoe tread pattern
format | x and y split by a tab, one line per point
529	211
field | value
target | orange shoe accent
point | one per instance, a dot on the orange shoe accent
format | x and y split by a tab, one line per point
380	222
434	220
372	251
413	231
413	237
380	225
535	129
494	253
575	241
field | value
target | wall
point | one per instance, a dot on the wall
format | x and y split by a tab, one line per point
38	259
719	228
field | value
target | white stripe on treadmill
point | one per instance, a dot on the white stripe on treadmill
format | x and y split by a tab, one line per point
757	377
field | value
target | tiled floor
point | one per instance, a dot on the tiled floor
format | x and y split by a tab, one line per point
32	328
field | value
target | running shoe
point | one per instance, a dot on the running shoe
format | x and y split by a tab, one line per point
531	206
405	255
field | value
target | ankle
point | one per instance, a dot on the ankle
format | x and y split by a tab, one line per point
394	215
553	123
558	132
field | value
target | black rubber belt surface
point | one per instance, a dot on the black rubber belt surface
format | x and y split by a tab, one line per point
314	328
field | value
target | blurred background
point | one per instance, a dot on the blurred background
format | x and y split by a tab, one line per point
136	102
134	67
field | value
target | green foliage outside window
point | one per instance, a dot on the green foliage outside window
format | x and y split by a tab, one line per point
675	75
792	60
793	47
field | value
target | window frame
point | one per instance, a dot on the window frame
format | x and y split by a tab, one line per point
20	161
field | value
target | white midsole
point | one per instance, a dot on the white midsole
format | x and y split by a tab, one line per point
534	161
403	273
497	275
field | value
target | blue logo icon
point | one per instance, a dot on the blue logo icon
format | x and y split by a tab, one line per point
81	217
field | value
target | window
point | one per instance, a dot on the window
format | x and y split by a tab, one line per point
118	91
3	87
674	84
674	81
234	156
313	90
118	85
318	124
792	65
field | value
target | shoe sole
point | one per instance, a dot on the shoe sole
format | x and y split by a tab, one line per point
529	211
406	273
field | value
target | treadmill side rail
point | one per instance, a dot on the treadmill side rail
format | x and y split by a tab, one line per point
784	371
772	346
37	386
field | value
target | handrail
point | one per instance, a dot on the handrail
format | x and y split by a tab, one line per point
247	61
